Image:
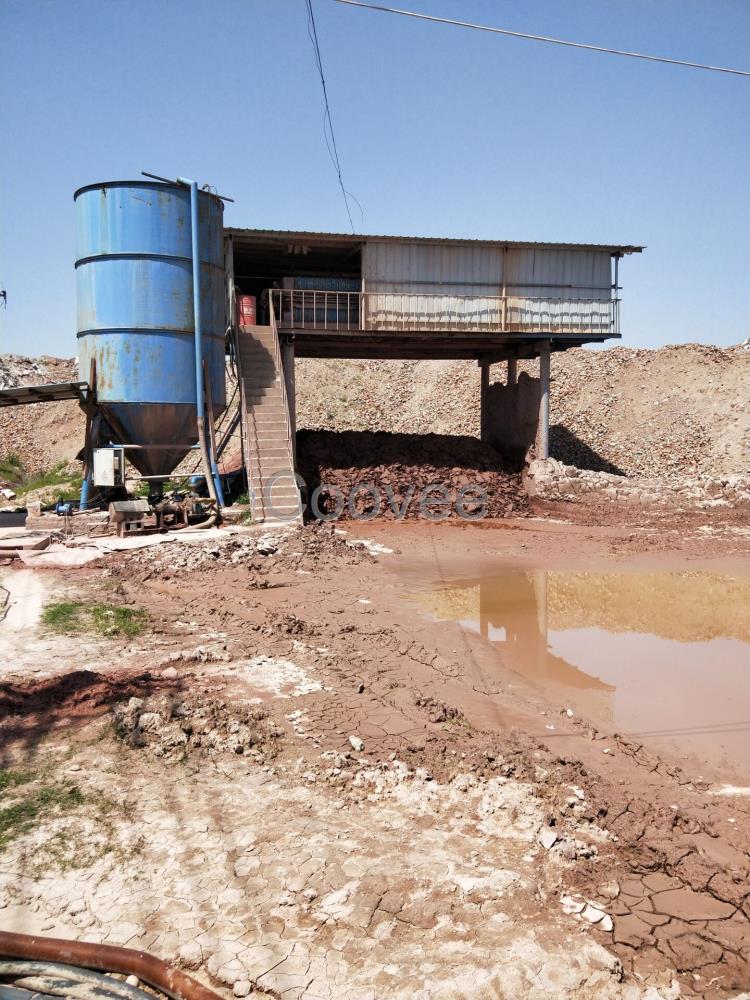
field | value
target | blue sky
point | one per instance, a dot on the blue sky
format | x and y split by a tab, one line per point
441	131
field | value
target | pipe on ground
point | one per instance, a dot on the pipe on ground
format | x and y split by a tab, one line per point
106	958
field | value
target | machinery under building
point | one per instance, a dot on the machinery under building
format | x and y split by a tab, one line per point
167	296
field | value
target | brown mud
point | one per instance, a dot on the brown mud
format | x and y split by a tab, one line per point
379	708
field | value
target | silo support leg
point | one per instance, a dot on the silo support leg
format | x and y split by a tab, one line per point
542	439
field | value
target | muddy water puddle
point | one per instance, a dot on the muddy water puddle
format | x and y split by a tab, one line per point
662	655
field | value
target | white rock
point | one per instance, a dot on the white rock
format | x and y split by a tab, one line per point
606	923
572	904
611	890
592	913
169	673
241	988
547	838
356	744
132	981
190	955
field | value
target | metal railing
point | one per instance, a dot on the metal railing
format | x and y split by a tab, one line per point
305	309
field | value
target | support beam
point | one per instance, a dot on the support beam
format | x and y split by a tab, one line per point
542	439
512	371
484	401
287	362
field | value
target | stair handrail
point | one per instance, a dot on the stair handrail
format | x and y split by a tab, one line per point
282	378
250	451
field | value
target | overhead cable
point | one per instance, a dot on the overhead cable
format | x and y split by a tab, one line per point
332	148
543	38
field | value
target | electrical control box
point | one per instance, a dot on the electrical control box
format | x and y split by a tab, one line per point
109	466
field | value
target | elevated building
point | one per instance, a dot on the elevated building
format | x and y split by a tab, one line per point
334	295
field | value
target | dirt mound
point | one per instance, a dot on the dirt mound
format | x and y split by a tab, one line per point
31	709
359	474
680	409
41	434
285	549
171	726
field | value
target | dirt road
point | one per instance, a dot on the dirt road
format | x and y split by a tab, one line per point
311	788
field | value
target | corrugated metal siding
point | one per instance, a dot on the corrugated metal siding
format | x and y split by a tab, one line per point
444	269
393	270
421	285
568	274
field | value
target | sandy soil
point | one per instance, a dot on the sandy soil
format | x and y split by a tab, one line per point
320	792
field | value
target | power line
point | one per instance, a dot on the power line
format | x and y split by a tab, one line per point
543	38
332	152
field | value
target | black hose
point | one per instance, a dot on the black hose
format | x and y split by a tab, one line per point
74	989
13	993
73	974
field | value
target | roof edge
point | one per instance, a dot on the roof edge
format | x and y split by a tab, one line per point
613	248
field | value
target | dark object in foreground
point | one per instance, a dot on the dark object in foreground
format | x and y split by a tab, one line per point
30	957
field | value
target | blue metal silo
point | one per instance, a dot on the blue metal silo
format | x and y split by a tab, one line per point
135	312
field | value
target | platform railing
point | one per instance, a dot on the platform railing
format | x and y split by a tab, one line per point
312	309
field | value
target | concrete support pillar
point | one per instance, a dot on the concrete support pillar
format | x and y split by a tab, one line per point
287	361
484	401
512	371
542	438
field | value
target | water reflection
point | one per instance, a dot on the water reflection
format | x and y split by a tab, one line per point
659	654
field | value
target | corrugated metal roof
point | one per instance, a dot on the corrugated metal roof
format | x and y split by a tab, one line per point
292	234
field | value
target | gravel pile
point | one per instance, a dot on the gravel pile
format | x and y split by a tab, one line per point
363	472
42	434
552	480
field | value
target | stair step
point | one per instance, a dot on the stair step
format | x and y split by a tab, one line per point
283	486
278	500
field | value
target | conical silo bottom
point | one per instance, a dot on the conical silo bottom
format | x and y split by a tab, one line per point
171	426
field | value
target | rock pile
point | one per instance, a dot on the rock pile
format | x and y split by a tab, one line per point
432	476
174	725
284	549
552	480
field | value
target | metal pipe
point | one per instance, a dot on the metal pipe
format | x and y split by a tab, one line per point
225	437
200	409
106	958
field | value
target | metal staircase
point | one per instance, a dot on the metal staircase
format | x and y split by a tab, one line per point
269	449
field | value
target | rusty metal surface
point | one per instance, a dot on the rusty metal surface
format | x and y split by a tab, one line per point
20	395
106	958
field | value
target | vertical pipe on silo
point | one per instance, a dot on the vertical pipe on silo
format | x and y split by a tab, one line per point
200	409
